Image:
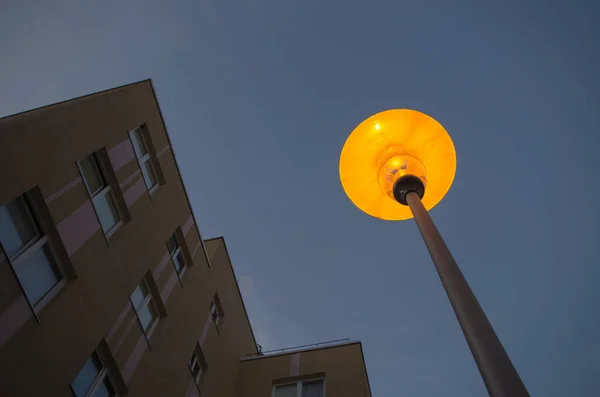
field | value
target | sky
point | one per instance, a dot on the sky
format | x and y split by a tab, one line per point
259	97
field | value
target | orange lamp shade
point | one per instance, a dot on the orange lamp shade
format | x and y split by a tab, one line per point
389	145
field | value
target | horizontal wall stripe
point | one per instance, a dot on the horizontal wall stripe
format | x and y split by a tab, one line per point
189	388
63	190
13	319
196	249
163	150
135	358
168	288
205	329
194	392
121	154
129	179
78	227
117	323
161	266
132	321
134	192
187	225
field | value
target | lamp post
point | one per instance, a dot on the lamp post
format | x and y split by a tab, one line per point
396	165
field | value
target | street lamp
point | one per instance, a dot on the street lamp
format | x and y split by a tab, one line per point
396	165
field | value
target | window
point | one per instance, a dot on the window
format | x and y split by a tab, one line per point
140	147
311	388
198	366
176	253
93	379
216	311
141	298
100	192
27	247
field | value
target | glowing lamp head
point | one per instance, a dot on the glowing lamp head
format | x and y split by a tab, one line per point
391	145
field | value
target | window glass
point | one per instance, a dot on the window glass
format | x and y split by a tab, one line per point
312	389
198	365
172	244
148	173
147	314
86	376
16	226
178	261
138	143
107	211
37	274
214	312
138	295
195	365
91	174
285	391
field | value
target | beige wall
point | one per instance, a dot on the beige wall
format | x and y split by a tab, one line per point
41	148
341	366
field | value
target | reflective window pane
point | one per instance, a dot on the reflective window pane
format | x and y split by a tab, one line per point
312	389
147	314
138	295
86	376
148	174
285	391
178	261
16	226
195	366
138	143
198	374
37	274
172	244
107	211
91	174
214	312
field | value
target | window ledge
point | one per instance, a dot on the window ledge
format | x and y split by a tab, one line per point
113	229
153	189
181	274
48	297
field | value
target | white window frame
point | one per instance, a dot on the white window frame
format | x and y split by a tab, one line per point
174	253
99	380
145	158
147	300
214	308
196	355
35	244
299	385
100	193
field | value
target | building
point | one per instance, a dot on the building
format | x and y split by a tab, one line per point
106	285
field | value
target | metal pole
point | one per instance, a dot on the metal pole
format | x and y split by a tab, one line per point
499	375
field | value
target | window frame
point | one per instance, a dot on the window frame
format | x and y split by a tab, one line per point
146	158
99	379
216	303
177	251
148	299
180	240
106	189
45	236
299	384
109	370
199	358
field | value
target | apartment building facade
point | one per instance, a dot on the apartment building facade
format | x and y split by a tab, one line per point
106	285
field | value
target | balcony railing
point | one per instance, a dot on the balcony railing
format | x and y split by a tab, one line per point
295	348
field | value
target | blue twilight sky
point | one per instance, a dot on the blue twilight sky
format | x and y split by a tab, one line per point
259	97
